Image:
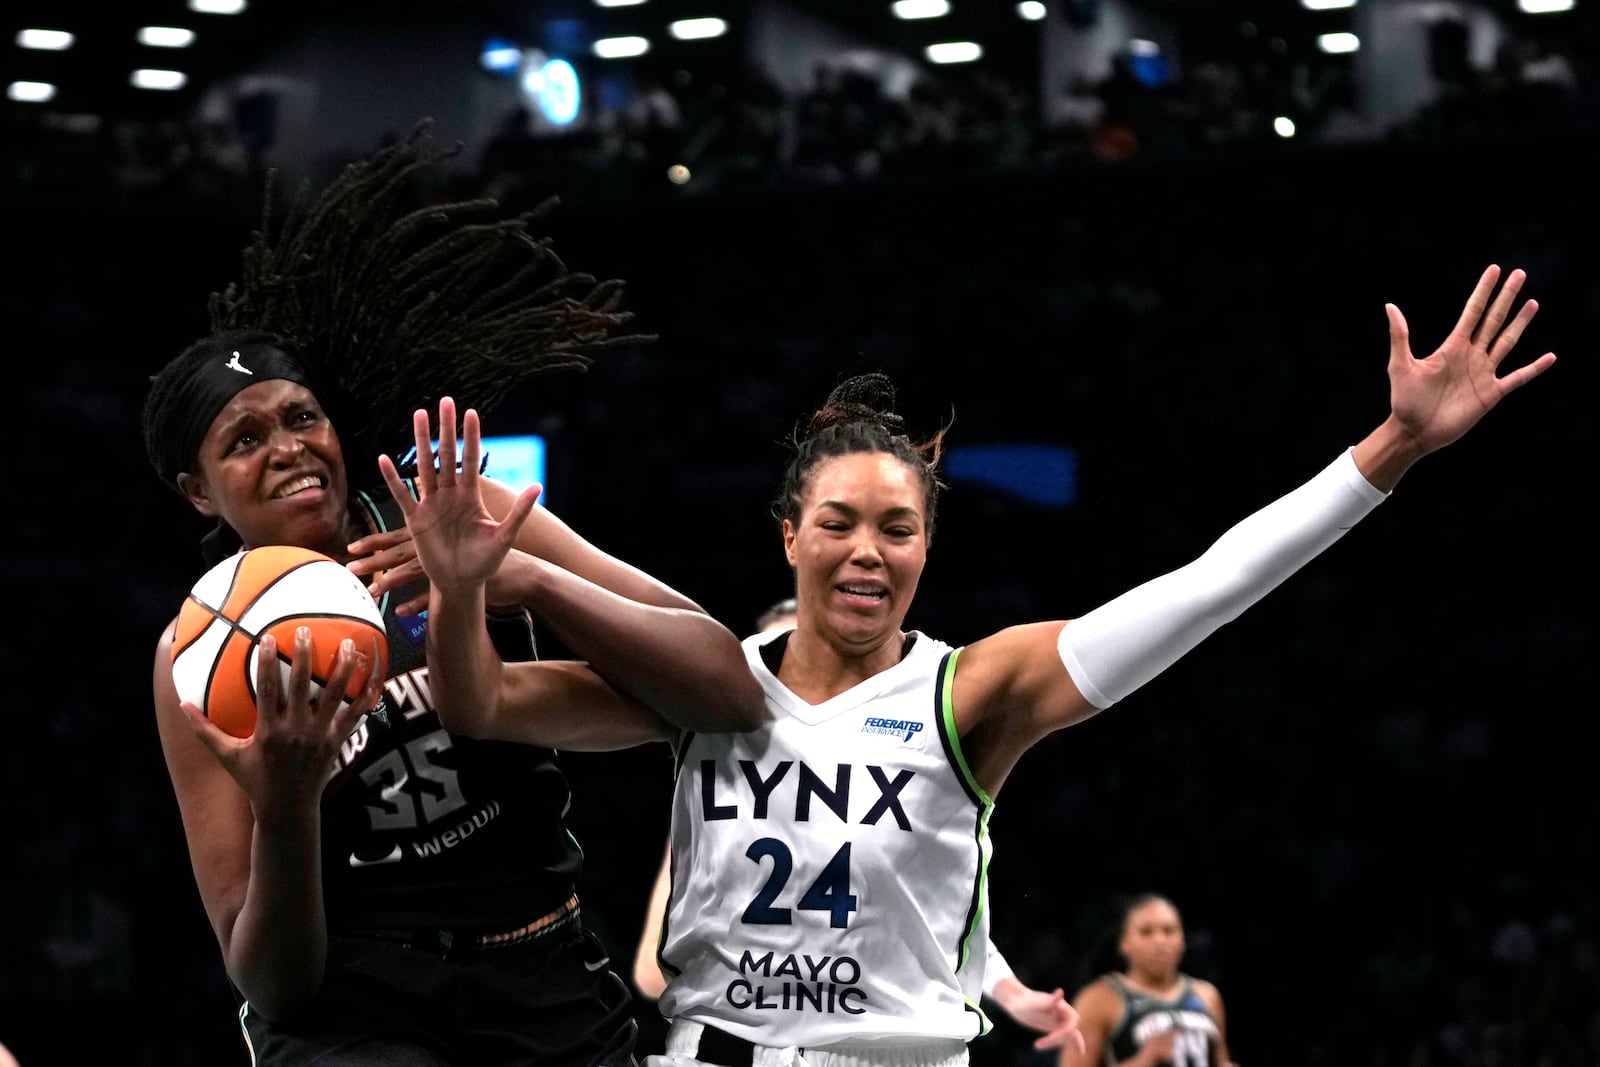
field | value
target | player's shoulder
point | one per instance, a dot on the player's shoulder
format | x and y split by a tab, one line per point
1104	987
1206	991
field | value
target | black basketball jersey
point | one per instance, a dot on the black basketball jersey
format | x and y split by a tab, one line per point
1144	1016
422	827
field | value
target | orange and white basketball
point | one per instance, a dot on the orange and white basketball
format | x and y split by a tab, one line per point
273	589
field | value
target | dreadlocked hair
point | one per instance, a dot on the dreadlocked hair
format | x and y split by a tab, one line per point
390	306
858	416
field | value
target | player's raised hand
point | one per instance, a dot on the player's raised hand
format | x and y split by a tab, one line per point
458	541
1437	399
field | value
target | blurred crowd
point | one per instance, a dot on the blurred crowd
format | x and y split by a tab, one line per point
744	131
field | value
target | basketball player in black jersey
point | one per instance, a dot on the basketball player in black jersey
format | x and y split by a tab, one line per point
1150	1014
384	891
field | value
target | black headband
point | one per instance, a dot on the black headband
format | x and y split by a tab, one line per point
210	386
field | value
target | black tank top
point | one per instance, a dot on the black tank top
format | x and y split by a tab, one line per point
422	827
1144	1016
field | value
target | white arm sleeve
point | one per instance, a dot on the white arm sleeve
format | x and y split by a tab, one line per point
1124	643
995	968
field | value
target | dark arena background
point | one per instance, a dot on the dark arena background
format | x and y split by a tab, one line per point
1136	254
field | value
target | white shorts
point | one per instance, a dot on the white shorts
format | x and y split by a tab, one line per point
683	1050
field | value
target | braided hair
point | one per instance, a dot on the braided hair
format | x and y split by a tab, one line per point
386	306
858	416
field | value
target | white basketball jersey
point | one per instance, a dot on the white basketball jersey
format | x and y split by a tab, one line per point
828	869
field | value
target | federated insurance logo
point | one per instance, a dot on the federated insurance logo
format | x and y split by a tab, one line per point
904	729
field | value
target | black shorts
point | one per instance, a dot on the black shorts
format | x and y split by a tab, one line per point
551	1001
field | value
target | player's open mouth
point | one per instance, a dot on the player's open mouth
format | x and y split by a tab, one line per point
299	485
871	592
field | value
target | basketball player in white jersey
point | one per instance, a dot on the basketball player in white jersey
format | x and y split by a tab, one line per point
1049	1014
829	902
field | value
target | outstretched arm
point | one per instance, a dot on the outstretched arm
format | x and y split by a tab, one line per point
673	659
1118	647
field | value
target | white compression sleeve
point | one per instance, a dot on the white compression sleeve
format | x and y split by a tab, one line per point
1125	642
995	968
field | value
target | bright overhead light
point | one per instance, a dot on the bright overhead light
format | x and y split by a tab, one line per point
1032	10
620	47
1283	126
1543	7
1326	5
954	52
500	56
697	29
158	79
31	92
553	86
48	40
1338	43
217	7
617	3
920	9
166	36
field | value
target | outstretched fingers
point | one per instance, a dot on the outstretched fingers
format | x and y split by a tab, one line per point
1489	329
1478	302
397	486
1399	339
446	467
471	448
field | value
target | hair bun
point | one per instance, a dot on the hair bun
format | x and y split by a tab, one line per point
864	398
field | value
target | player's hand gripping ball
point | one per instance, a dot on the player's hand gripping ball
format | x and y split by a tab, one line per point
273	589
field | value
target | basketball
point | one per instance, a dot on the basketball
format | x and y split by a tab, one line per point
273	590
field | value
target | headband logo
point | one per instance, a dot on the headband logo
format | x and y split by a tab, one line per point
234	364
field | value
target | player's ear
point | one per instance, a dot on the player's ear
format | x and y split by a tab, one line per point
194	487
788	540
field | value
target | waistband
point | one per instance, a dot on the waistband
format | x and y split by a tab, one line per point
454	943
707	1044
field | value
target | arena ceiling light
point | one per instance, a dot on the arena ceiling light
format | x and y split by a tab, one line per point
166	80
218	7
31	92
45	40
697	29
1326	5
166	36
1544	7
1032	10
500	56
620	47
954	52
1338	43
617	3
920	9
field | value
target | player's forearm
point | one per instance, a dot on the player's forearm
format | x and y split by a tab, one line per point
1121	645
546	536
464	669
277	947
679	661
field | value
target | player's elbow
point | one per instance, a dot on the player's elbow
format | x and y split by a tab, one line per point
734	705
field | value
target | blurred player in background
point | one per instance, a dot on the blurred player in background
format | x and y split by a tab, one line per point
1150	1013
